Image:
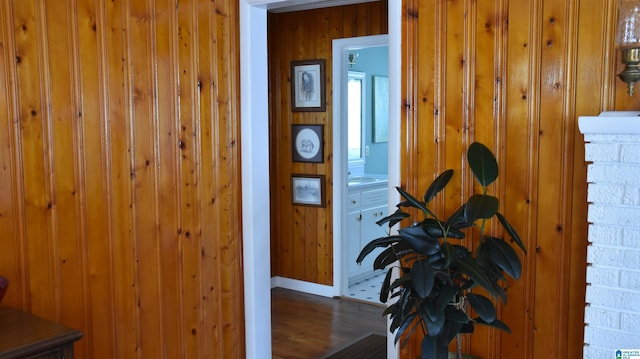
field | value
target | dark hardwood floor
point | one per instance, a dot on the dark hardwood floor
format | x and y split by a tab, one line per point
306	326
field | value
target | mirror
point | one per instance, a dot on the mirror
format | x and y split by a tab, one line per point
366	109
355	109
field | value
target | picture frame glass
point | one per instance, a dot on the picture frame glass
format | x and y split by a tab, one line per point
308	190
307	78
307	143
307	86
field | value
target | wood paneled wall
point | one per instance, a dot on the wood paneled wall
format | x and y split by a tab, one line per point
515	75
119	184
302	237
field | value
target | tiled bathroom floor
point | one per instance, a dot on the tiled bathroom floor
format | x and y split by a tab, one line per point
368	289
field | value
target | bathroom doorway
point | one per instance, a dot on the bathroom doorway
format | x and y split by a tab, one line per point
361	159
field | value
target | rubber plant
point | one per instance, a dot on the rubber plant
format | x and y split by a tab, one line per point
438	279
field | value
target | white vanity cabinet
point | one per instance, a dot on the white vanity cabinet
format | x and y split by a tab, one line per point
365	206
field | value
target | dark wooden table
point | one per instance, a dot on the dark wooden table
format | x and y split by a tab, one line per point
24	335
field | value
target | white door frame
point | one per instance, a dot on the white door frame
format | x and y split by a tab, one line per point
340	52
255	163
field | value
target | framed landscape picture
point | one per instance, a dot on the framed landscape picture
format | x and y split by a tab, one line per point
308	190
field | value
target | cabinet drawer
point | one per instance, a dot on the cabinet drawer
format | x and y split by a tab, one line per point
375	197
354	201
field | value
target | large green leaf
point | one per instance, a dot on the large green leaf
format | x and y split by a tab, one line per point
512	231
385	258
495	324
471	269
456	315
480	206
457	220
422	278
437	185
376	243
483	306
490	268
402	308
453	252
444	297
403	326
391	310
504	256
404	280
386	286
427	310
437	229
411	201
433	227
486	259
435	325
393	218
483	163
419	240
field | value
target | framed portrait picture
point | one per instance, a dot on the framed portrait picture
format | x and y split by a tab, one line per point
308	190
307	143
307	86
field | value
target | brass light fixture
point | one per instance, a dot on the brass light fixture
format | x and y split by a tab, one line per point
628	39
353	57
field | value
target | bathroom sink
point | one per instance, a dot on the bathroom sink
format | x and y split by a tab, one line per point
362	179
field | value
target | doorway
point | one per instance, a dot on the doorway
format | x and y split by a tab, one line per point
255	156
361	158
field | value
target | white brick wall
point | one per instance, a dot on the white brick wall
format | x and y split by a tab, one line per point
612	312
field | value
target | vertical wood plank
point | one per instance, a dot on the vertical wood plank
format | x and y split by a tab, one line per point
210	341
417	97
120	142
63	145
187	122
28	45
141	82
522	46
227	109
484	81
594	43
100	332
168	189
552	22
12	259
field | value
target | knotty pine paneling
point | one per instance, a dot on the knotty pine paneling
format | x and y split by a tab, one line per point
119	184
515	75
302	237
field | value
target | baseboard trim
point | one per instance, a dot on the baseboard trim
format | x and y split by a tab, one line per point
302	286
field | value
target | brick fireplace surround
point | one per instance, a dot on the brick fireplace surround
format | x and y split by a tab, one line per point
612	312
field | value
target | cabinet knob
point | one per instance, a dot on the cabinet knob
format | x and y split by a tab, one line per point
359	218
353	201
